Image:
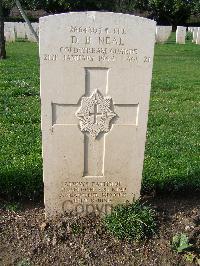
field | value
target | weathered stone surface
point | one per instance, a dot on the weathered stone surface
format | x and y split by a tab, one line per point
96	72
180	34
163	33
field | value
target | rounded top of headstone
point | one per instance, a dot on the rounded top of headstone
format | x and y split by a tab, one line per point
95	15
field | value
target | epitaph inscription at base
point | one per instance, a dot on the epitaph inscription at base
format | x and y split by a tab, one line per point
96	72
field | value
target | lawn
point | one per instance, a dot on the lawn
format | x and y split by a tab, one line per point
172	161
20	141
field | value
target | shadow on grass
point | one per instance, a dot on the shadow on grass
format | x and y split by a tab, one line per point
22	185
178	185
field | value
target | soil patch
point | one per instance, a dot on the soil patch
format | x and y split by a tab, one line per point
27	239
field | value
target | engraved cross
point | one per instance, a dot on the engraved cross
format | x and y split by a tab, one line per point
96	87
97	115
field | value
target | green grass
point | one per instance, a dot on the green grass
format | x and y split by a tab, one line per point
20	142
132	221
172	152
172	160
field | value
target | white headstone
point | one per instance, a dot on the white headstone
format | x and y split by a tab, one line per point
190	29
21	30
163	33
194	34
10	36
9	31
180	34
198	36
8	26
96	72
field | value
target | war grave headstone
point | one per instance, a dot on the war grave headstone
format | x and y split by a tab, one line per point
168	30
9	31
180	34
163	33
8	26
96	70
21	30
198	36
194	34
10	36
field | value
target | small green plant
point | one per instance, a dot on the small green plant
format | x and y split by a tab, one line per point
192	258
12	207
76	228
180	243
24	262
131	221
189	257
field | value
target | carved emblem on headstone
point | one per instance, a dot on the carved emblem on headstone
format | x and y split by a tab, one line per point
95	114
